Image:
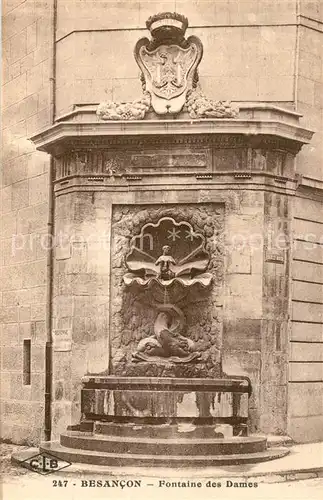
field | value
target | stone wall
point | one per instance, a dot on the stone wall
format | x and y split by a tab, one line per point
305	389
309	85
306	339
80	298
243	307
276	296
241	40
27	28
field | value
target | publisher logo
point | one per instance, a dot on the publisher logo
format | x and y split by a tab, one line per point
44	463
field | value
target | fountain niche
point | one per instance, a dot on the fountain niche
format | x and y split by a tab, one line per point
171	359
163	315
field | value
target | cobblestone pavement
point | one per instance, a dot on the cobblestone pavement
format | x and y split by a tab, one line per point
20	484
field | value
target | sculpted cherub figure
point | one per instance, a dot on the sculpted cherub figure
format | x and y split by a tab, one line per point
165	261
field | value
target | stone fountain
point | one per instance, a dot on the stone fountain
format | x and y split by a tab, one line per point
166	175
168	402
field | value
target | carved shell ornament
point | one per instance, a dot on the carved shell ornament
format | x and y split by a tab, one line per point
168	62
168	254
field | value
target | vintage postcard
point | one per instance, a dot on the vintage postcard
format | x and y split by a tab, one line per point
162	249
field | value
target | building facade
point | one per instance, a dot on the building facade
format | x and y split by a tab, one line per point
61	59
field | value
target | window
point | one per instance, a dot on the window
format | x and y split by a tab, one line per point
27	362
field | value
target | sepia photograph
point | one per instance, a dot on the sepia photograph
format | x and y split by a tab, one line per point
161	250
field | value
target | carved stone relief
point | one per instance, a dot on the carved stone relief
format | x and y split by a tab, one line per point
133	110
180	155
136	310
119	164
199	106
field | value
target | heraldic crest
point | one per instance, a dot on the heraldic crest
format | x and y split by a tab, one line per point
170	67
168	64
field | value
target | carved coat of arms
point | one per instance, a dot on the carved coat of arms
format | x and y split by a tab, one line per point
167	71
168	63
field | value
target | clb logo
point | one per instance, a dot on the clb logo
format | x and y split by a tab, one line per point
44	463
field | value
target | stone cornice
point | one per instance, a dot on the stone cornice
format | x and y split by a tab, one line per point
211	183
310	182
85	145
308	187
65	132
84	129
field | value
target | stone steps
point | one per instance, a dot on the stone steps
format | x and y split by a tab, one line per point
182	445
74	455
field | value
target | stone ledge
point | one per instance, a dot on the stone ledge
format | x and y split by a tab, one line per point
115	382
200	192
253	121
71	131
246	110
310	185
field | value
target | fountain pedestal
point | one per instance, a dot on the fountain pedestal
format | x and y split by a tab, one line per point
169	422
